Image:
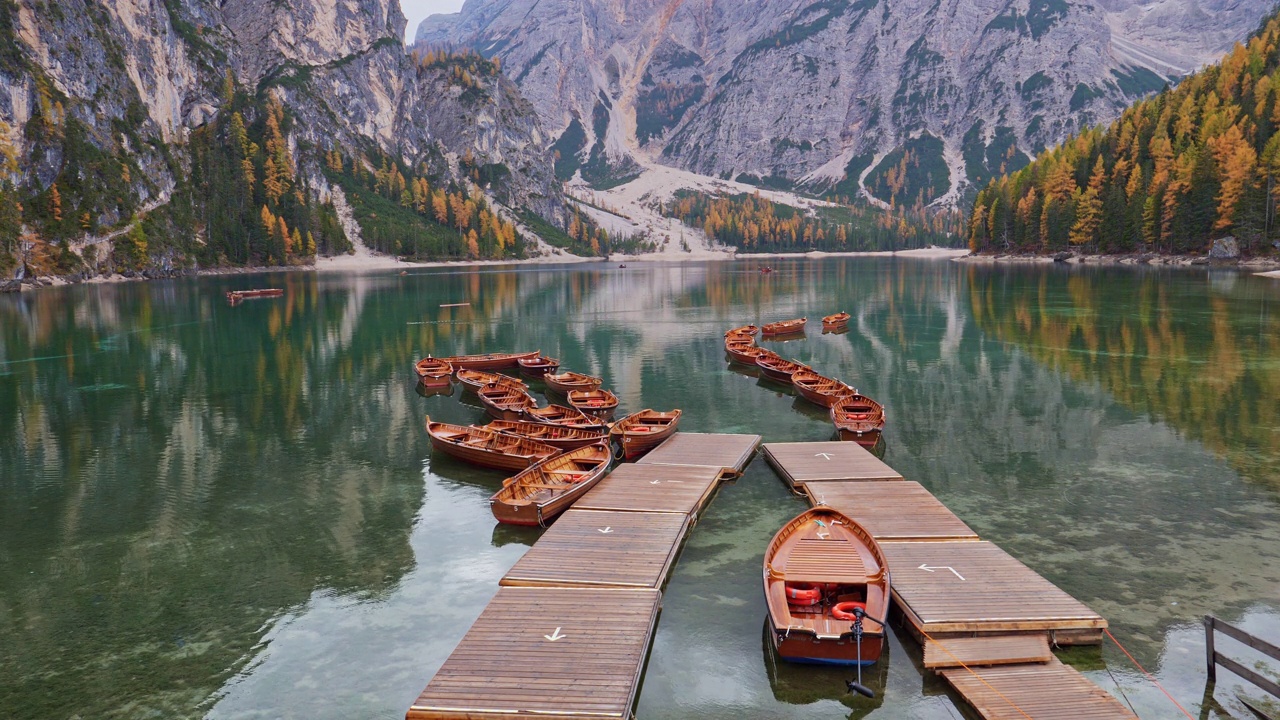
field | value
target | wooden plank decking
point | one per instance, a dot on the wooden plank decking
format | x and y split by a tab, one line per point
508	663
892	509
991	650
800	463
602	548
974	587
634	487
1043	691
732	453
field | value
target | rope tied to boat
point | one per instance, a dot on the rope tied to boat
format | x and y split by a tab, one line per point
974	673
1149	675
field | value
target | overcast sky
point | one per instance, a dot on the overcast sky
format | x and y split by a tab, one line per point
416	10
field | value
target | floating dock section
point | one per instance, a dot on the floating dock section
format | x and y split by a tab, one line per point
986	620
567	635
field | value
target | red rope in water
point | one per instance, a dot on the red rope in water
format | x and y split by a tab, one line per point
1149	676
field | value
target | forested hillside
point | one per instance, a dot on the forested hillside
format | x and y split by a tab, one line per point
1174	172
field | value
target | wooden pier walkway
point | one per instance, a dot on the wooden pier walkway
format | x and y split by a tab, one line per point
985	619
569	631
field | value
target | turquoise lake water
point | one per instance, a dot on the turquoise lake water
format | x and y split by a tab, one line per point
233	512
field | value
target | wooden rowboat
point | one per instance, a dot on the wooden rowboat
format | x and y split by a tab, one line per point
744	331
486	447
597	403
744	354
536	367
640	432
562	416
473	380
822	573
784	327
543	491
433	372
565	438
858	418
777	368
819	389
235	296
835	322
505	402
490	361
566	381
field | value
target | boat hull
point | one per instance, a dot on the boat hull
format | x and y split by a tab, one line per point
484	458
537	372
785	327
560	386
776	375
539	515
490	362
866	439
798	647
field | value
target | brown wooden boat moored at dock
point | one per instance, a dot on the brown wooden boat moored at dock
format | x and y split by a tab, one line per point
568	380
505	402
744	331
777	368
819	389
858	418
490	361
542	491
486	447
562	416
837	321
597	403
537	367
235	296
784	327
473	380
433	372
823	573
565	438
640	432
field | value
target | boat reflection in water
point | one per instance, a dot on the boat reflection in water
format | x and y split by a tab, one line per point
425	391
796	684
504	534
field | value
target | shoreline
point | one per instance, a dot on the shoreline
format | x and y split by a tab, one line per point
1259	266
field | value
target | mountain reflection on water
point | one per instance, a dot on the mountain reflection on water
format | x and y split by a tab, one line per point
234	512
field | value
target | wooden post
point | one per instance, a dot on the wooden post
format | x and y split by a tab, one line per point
1209	654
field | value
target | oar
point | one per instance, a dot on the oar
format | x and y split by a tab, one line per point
858	687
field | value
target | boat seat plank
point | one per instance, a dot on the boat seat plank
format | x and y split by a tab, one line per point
830	560
988	650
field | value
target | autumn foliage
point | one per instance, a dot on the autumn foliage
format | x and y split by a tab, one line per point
1174	172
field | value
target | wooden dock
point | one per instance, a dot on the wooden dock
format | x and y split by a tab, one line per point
801	463
568	633
975	588
985	619
632	487
602	548
731	453
547	652
1043	691
892	509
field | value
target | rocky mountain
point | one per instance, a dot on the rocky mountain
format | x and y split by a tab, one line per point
113	112
908	102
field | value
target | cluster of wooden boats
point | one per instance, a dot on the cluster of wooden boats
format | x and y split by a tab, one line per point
558	452
856	417
235	297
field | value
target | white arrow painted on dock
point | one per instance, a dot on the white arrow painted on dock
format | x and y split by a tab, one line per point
655	482
554	636
826	456
926	568
609	529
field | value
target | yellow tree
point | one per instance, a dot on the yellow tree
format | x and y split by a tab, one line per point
440	207
1089	208
1236	161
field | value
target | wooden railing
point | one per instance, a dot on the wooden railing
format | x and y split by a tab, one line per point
1214	658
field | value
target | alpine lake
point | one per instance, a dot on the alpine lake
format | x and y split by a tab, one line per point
234	512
